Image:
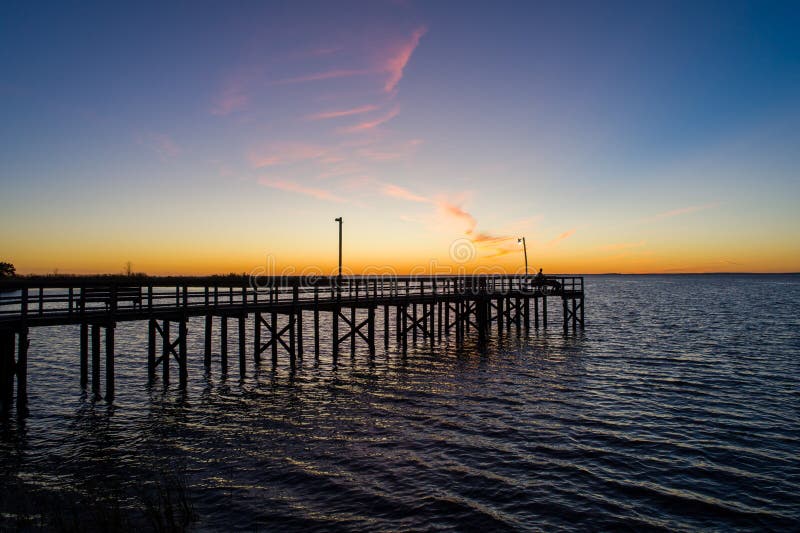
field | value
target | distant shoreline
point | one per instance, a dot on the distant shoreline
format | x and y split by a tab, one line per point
140	278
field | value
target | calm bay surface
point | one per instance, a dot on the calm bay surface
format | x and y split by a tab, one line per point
678	407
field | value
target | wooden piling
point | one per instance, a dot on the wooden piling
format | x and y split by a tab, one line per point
544	310
183	360
257	337
447	318
166	350
432	324
371	330
110	362
209	331
482	319
385	326
151	350
414	321
527	312
223	344
316	322
292	345
500	315
300	333
274	338
574	313
6	370
335	333
95	360
353	330
242	347
404	334
22	371
84	357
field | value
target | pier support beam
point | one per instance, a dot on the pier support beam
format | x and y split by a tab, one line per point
385	326
169	349
257	338
223	344
209	331
165	350
110	363
371	331
183	363
335	333
152	324
273	329
6	371
544	310
84	357
292	340
22	372
527	313
316	322
300	333
276	337
242	348
96	360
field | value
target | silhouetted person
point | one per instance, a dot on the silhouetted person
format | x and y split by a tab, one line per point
539	276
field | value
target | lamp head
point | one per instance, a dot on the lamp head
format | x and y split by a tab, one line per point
337	219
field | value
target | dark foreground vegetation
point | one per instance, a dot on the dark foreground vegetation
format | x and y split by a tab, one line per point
161	504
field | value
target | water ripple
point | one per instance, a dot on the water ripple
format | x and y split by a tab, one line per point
676	409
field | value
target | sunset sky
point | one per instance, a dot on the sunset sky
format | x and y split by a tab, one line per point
211	137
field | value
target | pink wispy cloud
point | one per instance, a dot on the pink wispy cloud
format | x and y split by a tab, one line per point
234	95
286	153
399	56
566	235
371	124
324	75
342	112
392	152
391	61
395	191
456	213
291	186
229	102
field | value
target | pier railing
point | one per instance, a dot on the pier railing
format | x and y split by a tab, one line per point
71	299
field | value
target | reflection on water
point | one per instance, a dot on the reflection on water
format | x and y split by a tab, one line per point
675	408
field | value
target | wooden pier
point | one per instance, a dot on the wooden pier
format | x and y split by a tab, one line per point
426	307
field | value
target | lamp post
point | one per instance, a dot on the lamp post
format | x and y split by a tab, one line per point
339	220
525	250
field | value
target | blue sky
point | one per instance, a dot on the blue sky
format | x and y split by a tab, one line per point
198	137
